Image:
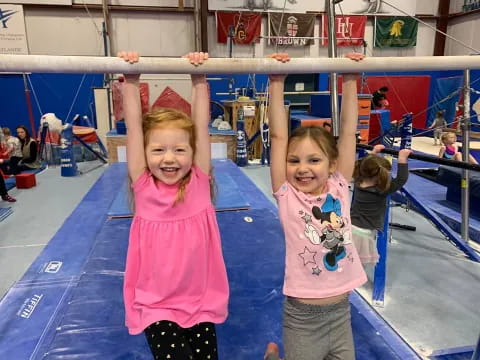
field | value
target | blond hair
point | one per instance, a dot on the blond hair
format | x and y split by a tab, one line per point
445	136
324	139
373	167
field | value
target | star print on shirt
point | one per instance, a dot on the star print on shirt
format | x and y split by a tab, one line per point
308	256
316	271
307	218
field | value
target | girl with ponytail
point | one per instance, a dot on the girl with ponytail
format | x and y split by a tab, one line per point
373	183
175	286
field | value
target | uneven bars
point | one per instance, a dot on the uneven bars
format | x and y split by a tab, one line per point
427	158
151	65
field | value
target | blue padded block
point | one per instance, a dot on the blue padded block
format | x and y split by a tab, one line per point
30	314
320	105
72	244
427	201
250	191
451	178
10	183
229	197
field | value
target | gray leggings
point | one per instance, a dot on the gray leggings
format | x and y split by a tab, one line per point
317	332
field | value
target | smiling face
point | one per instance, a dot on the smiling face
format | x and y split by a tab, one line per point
21	133
169	154
308	167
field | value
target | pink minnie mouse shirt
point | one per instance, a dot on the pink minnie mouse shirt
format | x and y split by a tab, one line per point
175	269
321	260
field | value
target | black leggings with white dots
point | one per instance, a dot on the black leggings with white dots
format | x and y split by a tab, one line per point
167	340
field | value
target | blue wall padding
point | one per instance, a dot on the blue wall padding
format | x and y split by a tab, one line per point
55	93
229	197
445	87
320	105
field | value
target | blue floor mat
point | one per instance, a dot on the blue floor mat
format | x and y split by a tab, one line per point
229	196
462	353
75	310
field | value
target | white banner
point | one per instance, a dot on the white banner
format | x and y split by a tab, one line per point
13	37
351	7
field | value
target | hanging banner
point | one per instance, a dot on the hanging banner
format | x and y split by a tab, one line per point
43	2
245	27
13	37
396	32
350	7
291	29
470	5
350	30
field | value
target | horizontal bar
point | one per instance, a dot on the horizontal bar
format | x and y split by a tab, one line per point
427	158
152	65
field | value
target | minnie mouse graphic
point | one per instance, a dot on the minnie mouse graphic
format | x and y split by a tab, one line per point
330	216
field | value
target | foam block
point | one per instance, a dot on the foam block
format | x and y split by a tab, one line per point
25	181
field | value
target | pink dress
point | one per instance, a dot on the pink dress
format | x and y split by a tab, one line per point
175	269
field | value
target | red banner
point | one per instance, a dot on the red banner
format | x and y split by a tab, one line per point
350	29
245	27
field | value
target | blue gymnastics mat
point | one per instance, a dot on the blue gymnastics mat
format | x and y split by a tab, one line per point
461	353
429	198
84	317
69	304
229	196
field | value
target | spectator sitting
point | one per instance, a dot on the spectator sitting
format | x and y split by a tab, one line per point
29	159
13	152
379	98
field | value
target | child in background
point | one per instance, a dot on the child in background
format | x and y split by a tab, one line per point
176	284
13	150
373	183
449	149
310	176
438	126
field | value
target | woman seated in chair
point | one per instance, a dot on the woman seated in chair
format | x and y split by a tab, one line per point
29	149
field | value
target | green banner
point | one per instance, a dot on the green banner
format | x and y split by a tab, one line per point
395	31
